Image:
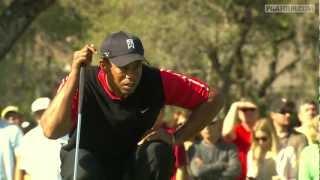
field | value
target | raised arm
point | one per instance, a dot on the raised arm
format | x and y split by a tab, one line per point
230	121
56	120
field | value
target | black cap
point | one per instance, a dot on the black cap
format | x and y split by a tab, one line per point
122	48
283	106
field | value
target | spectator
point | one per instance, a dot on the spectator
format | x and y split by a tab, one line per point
307	114
291	142
10	138
12	115
181	119
237	128
180	165
38	157
122	99
263	152
213	158
309	167
316	125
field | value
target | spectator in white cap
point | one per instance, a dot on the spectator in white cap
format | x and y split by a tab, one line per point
39	157
12	115
39	106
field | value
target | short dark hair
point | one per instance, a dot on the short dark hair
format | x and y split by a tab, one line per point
309	102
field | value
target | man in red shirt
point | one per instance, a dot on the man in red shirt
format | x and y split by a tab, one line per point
237	128
122	98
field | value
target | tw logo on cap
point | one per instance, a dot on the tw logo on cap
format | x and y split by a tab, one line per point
130	43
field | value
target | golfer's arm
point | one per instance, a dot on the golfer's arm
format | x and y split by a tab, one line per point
56	120
200	117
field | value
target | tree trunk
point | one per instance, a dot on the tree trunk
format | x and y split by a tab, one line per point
15	19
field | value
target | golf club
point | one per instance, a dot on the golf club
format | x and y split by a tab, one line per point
81	87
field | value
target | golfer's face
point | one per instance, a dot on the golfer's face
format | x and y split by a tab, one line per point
126	78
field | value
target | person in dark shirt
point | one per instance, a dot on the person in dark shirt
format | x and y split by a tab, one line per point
291	142
213	158
121	100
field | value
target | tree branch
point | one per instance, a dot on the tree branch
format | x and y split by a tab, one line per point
15	19
273	75
237	55
213	56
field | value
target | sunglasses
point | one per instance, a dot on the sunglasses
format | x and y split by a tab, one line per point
264	139
284	112
247	109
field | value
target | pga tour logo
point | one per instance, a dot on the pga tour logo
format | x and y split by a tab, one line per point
130	43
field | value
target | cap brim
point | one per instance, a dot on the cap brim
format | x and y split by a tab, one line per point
8	109
123	60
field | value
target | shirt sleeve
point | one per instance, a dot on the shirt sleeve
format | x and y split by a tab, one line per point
183	91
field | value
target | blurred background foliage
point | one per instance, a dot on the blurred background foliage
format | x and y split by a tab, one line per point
233	45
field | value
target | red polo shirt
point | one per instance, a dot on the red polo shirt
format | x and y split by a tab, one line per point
179	90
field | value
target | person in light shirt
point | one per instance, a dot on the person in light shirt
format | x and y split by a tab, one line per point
10	140
38	157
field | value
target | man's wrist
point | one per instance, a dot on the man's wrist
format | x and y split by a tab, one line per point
74	72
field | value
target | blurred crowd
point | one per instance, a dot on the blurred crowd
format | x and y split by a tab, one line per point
241	145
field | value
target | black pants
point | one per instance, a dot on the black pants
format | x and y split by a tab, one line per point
152	161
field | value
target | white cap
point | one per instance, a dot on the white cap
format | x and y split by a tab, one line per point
41	103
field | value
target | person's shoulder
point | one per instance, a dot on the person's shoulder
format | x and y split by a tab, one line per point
231	146
226	145
33	132
298	129
294	131
12	129
3	124
150	69
195	147
297	135
150	74
310	149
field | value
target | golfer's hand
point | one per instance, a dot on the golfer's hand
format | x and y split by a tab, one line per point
83	56
158	135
